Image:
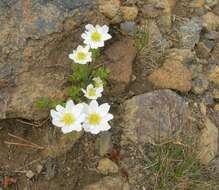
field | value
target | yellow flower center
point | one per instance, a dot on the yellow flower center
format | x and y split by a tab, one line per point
68	119
81	56
91	92
94	119
98	84
96	36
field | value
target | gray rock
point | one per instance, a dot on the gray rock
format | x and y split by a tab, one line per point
35	40
104	143
189	33
200	84
30	174
208	98
153	117
106	166
208	142
128	27
211	3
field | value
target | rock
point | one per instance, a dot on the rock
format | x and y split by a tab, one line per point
197	3
214	74
204	48
148	119
215	52
109	183
35	40
62	144
30	174
119	58
128	27
212	35
129	13
208	98
173	74
164	20
106	166
110	8
216	107
216	94
147	115
216	9
104	143
189	33
50	168
211	21
200	85
211	3
39	168
208	142
149	11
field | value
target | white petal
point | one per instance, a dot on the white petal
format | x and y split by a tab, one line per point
76	127
90	27
55	114
105	127
77	110
71	56
84	91
80	48
93	129
93	106
81	118
84	36
59	108
106	36
90	86
87	48
67	129
104	109
57	123
105	29
108	117
70	105
99	90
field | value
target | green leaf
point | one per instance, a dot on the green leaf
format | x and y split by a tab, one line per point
43	102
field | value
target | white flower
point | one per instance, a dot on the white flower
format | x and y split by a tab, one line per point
81	55
92	93
98	83
68	118
97	117
95	36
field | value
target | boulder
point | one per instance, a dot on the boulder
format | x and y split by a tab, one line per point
153	117
173	74
208	142
35	40
119	58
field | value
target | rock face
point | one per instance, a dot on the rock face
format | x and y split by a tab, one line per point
107	166
173	74
150	118
35	40
119	58
189	33
154	116
208	142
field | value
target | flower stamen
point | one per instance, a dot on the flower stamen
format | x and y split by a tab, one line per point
94	119
96	36
68	119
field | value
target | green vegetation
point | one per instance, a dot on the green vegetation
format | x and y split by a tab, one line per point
174	166
141	38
